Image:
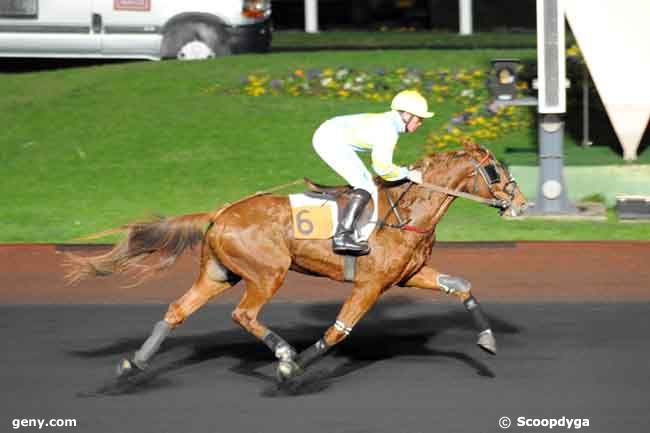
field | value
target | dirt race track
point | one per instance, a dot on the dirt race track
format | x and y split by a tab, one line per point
504	271
571	322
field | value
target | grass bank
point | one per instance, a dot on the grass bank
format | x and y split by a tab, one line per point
285	40
87	149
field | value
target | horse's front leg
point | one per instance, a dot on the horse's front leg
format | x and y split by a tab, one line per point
430	279
362	298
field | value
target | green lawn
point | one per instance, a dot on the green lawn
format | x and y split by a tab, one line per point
88	149
415	39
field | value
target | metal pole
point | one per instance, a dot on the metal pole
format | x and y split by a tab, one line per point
585	106
552	196
465	16
311	16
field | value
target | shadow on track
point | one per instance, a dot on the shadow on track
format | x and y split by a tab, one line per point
384	334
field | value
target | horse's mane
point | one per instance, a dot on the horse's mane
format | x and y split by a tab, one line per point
436	159
440	158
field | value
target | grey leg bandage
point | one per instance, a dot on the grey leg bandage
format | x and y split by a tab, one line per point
282	350
151	346
452	284
312	353
486	339
476	311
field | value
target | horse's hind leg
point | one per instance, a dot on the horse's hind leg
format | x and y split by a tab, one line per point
264	272
213	279
246	315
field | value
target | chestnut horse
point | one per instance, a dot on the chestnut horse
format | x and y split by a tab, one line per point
252	240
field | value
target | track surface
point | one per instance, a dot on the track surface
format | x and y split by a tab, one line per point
571	321
408	367
499	271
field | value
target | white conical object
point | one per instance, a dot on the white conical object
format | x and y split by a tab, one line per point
613	36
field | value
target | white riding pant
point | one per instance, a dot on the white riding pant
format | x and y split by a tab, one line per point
330	144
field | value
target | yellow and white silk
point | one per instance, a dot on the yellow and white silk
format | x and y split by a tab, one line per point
338	140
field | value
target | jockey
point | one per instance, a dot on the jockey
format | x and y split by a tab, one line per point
337	140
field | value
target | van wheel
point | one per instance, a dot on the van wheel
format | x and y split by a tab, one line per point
194	41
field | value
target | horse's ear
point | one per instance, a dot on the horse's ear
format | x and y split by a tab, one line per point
470	145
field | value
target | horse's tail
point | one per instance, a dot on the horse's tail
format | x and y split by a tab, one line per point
162	239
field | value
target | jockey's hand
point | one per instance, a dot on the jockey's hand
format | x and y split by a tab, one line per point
415	176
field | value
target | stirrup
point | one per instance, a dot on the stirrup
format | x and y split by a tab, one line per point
348	245
351	252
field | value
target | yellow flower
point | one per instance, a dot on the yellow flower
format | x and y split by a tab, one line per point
328	72
255	90
299	73
574	51
343	93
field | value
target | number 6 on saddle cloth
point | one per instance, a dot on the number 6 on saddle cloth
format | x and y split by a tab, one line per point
315	215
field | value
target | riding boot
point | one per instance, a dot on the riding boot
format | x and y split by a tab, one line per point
345	240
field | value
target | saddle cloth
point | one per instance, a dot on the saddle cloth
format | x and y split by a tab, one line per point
317	218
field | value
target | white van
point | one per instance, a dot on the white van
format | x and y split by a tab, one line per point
146	29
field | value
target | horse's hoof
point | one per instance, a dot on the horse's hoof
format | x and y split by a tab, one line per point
487	342
288	370
127	368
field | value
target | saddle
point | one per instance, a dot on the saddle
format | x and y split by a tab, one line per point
337	194
324	191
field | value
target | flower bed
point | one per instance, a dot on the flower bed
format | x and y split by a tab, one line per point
464	90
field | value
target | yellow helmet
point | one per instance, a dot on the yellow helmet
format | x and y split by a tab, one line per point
412	102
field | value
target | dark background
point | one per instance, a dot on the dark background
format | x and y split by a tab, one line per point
489	15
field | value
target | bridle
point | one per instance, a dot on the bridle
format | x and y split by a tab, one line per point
490	174
483	169
488	171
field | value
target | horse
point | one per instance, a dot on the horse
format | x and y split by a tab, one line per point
252	240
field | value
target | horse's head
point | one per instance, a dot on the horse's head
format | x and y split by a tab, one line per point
476	171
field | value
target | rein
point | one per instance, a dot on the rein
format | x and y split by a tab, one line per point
493	202
490	202
404	225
